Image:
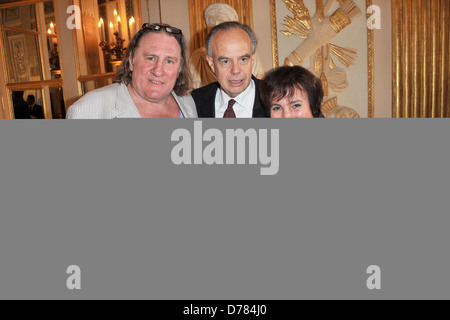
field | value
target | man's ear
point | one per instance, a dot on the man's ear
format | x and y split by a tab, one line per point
211	63
130	60
253	58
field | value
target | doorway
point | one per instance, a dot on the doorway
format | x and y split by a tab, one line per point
32	87
54	64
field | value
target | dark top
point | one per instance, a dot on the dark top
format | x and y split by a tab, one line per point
21	110
205	99
37	112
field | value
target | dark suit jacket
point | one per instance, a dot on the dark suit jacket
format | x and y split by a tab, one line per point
21	110
37	112
205	101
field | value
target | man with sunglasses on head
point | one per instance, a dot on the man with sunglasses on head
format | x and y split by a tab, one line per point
231	49
152	82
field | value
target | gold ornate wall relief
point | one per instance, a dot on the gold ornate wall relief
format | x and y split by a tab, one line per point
244	9
421	55
332	39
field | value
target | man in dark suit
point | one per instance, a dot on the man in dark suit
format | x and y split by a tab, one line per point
20	106
36	111
231	49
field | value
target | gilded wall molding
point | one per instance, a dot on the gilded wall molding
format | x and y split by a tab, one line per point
370	53
371	67
273	16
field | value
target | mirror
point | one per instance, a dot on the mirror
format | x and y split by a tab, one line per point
108	26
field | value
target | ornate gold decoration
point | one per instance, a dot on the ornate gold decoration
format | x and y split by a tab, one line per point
319	68
343	112
318	39
322	31
288	62
350	9
329	105
273	20
332	64
318	62
301	23
347	55
370	67
301	13
324	80
320	10
294	29
339	21
420	55
331	109
298	57
323	77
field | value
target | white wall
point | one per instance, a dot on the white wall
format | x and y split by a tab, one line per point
263	30
176	13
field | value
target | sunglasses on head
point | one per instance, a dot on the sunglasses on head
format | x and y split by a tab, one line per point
158	27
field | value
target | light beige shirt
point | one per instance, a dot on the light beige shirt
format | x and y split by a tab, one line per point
114	101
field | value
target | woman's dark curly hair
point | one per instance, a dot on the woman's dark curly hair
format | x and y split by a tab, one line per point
124	74
282	82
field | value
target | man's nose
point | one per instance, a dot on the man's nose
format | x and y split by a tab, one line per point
158	69
235	69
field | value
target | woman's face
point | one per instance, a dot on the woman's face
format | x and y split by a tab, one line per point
155	66
295	107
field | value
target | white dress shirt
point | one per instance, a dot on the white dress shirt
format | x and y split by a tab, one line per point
243	108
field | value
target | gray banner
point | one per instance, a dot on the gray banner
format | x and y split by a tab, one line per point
105	196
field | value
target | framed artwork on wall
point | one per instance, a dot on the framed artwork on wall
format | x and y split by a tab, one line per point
12	14
18	58
331	39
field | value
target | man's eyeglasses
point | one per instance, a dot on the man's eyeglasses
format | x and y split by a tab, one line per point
158	27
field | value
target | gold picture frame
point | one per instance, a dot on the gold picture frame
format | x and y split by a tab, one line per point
277	24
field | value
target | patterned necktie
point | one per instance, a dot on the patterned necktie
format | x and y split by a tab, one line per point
230	112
